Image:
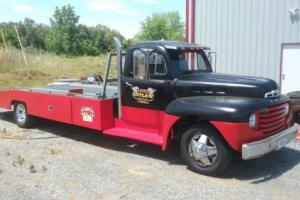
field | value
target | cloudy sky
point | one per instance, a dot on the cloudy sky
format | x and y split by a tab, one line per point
122	15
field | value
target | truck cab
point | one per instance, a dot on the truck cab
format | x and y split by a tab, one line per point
167	90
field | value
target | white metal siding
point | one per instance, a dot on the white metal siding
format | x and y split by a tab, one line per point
246	34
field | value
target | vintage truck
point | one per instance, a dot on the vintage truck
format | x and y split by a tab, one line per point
167	90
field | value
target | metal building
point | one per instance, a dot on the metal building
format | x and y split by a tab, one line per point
251	37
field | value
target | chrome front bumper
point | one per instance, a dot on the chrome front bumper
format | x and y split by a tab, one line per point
275	142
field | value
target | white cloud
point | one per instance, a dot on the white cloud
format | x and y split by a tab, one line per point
117	6
23	8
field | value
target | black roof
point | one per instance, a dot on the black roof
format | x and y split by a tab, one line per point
175	45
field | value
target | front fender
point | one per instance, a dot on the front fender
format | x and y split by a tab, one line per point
220	108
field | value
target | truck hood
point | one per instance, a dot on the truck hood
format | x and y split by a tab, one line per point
211	84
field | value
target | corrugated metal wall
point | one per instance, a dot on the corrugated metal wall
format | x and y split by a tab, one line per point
247	34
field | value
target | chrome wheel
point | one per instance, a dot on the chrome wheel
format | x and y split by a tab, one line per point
21	113
203	149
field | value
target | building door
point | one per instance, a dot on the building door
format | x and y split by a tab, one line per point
290	77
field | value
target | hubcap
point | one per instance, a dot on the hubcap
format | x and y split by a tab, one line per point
203	149
21	113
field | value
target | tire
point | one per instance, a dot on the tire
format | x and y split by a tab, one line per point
197	158
21	116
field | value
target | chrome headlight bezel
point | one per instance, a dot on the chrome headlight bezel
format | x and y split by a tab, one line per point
253	121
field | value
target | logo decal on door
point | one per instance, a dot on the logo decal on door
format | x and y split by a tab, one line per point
143	96
87	114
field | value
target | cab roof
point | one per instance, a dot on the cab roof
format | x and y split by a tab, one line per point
169	45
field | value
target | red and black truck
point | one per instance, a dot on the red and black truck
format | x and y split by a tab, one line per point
167	90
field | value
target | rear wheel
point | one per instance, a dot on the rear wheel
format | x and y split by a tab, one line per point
21	116
204	150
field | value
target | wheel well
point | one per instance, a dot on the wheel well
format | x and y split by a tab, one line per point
14	102
186	122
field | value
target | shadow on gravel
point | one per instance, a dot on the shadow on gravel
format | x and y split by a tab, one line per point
256	171
264	169
104	141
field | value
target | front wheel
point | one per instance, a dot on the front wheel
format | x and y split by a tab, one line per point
21	116
204	150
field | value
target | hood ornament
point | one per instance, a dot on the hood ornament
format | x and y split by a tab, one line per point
272	94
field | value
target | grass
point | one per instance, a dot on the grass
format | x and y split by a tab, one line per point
43	68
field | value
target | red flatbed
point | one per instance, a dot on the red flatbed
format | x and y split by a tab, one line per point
82	105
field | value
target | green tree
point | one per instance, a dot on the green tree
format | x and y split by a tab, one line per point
64	35
33	34
9	34
168	26
102	38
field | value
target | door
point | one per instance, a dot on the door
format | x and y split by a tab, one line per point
290	79
145	91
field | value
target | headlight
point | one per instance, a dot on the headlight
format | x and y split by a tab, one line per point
286	109
252	121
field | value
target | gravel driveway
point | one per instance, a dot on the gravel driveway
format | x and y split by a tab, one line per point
57	161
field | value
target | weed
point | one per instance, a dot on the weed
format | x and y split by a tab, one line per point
32	169
44	169
54	152
18	161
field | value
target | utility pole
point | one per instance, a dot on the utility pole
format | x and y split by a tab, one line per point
23	53
3	39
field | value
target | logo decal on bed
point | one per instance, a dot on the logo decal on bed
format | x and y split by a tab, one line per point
87	114
144	96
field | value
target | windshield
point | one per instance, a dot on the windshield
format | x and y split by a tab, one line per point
190	61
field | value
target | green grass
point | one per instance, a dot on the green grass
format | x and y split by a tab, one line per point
43	68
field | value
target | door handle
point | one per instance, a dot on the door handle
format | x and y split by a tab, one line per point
128	84
283	77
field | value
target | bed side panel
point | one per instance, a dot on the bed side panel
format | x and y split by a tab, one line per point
50	106
5	99
92	113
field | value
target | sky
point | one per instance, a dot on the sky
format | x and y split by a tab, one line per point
124	16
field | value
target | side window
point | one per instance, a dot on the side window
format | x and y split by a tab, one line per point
201	63
148	65
139	65
157	65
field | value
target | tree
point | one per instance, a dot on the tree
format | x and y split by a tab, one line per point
33	34
168	26
64	35
102	38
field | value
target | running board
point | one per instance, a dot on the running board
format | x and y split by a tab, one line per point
149	137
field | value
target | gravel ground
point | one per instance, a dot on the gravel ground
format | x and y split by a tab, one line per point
57	161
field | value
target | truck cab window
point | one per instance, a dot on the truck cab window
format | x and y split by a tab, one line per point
148	65
139	65
157	65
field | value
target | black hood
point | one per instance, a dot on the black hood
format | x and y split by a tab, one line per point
211	84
